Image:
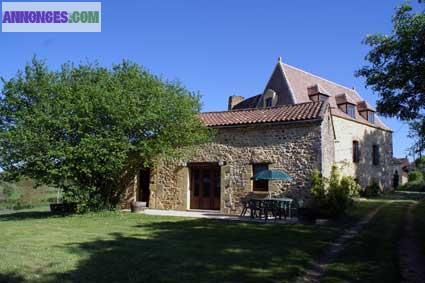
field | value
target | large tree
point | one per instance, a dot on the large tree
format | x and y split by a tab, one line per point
396	69
88	129
417	134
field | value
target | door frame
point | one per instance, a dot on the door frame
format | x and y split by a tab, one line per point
205	165
141	180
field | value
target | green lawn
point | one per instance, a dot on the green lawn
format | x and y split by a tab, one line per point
124	247
419	221
372	256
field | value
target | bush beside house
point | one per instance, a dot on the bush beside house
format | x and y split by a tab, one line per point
416	182
331	197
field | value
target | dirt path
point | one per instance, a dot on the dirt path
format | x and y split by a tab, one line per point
412	261
315	273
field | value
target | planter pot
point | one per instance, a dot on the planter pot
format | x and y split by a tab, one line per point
137	206
307	216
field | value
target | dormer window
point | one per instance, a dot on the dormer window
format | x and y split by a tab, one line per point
317	93
351	110
269	102
371	117
366	111
346	104
269	98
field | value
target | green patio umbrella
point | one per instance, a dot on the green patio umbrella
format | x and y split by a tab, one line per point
272	175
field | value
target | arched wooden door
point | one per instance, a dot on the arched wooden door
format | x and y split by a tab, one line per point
205	186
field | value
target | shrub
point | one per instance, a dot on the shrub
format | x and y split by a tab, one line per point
339	198
416	176
372	190
318	186
331	198
413	186
351	186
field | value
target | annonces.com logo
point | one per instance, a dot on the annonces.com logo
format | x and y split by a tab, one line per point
51	17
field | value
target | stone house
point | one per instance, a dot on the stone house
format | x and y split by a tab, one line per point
300	122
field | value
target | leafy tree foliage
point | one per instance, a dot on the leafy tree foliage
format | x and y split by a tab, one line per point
397	66
417	134
88	129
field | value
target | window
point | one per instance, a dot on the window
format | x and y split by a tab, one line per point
260	185
351	110
375	154
323	97
371	117
356	152
269	102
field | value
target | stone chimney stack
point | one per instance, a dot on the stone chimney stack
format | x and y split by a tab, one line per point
233	100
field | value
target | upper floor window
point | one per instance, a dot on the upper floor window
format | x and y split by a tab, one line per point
323	97
269	102
356	151
371	117
318	97
351	110
260	185
375	154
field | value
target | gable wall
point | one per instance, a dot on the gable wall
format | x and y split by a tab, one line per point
328	144
346	131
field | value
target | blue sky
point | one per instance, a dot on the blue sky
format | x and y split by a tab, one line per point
221	48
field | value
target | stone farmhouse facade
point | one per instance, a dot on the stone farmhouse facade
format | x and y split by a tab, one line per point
300	122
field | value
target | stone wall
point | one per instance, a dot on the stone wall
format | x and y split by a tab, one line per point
295	149
328	147
348	131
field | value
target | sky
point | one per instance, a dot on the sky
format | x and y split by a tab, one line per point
221	47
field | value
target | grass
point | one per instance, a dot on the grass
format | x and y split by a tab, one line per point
372	256
123	247
419	222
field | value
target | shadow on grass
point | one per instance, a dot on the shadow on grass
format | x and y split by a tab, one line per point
372	256
27	215
11	278
199	251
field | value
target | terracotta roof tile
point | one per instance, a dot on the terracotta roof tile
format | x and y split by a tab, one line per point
285	113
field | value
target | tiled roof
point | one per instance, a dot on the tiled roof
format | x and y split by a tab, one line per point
302	83
285	113
248	103
300	80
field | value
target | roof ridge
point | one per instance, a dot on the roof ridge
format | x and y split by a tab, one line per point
265	108
319	77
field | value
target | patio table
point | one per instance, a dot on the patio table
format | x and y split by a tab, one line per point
284	203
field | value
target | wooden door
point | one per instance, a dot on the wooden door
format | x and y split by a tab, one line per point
205	187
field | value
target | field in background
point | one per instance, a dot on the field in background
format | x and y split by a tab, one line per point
23	195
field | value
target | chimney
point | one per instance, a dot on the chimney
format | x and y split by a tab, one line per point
233	100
